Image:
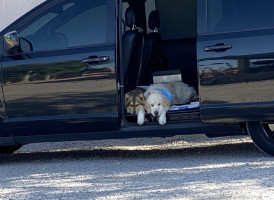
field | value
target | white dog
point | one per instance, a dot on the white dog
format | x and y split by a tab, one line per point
160	96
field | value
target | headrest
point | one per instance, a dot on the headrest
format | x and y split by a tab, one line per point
130	17
154	19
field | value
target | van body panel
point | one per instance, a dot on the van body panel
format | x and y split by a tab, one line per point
5	131
56	94
235	66
169	130
66	82
237	85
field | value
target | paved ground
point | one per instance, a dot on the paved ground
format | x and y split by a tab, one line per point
181	167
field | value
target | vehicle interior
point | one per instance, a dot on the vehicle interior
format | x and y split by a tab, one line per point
159	42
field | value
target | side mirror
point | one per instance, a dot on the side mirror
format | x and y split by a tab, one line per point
25	45
11	42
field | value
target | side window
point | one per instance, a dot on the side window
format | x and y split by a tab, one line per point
150	6
235	15
71	24
178	18
125	6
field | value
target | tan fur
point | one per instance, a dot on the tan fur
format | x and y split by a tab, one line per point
135	103
166	103
134	100
158	104
147	107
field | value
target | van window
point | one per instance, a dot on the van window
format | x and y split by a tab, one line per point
125	6
235	15
178	18
88	27
150	6
70	24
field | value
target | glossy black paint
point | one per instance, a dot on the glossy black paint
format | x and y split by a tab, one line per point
135	131
53	96
236	84
5	131
50	86
55	90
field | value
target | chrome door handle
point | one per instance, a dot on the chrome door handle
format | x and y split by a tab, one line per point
95	59
218	47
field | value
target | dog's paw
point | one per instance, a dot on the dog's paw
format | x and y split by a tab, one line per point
141	116
162	120
141	120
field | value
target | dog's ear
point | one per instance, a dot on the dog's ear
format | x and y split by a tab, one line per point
166	104
147	107
141	96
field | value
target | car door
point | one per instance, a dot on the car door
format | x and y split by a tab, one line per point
5	131
62	78
236	60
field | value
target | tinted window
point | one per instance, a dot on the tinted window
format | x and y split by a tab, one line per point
70	24
178	18
234	15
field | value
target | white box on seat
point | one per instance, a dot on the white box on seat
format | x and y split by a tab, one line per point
167	76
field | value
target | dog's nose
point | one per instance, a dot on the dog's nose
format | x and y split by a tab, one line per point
156	113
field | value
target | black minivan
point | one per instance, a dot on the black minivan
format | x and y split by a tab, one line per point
67	64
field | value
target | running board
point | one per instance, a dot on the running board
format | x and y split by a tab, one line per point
136	131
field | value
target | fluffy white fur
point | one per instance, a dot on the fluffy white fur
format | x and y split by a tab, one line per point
157	104
141	115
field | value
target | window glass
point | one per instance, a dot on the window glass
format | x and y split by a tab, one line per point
125	6
70	24
178	19
150	6
234	15
89	27
36	25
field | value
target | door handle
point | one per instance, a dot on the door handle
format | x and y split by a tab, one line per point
218	47
95	59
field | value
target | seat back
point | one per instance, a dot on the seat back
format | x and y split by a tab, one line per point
132	44
153	57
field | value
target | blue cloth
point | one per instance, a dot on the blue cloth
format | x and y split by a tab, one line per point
166	93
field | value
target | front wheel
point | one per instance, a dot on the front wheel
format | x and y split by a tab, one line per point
9	149
262	134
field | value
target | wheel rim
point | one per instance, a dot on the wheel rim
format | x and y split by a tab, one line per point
268	129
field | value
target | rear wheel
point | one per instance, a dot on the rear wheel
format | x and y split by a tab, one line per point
262	134
9	149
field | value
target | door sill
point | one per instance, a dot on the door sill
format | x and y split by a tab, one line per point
172	117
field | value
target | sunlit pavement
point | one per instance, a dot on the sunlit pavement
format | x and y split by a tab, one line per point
181	167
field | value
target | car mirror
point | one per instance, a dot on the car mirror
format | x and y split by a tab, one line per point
11	42
25	45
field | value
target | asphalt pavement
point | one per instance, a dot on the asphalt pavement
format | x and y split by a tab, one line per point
181	167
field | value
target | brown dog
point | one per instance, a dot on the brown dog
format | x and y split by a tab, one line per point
135	103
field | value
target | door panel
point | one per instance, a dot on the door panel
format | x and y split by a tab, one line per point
236	84
66	82
49	87
5	131
236	60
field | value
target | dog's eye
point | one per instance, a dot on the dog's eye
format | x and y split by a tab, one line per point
159	104
136	104
152	105
131	104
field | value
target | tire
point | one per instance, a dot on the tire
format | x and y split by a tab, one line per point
9	149
262	134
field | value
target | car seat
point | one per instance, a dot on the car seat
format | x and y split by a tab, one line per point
132	45
153	57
